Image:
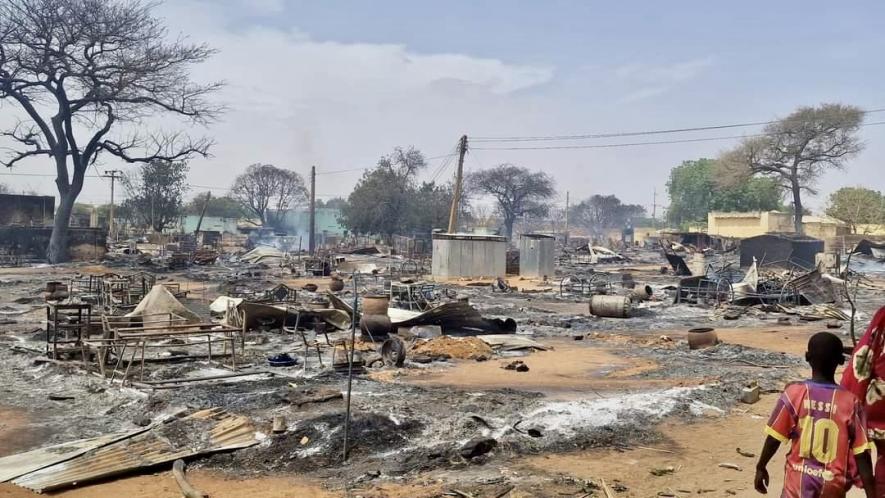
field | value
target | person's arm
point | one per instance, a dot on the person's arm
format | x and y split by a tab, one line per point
861	447
865	469
768	450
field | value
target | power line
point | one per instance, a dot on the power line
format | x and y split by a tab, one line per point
608	146
635	144
44	175
335	172
632	133
443	166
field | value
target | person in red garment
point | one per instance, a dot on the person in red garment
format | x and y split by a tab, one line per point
824	425
865	377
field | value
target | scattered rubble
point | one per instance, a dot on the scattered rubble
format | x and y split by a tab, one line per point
269	338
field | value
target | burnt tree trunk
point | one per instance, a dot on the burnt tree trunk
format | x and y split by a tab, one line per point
797	205
508	226
57	252
68	190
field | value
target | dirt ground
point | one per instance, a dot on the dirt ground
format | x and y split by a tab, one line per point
600	365
693	450
567	369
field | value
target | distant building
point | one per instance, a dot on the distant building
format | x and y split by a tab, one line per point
870	229
824	227
744	225
26	210
326	225
640	235
209	224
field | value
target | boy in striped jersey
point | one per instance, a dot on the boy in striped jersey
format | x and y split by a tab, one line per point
824	425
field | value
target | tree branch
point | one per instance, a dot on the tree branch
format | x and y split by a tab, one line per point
163	148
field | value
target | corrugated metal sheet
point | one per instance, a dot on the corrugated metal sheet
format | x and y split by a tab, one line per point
536	256
23	463
452	316
142	450
468	256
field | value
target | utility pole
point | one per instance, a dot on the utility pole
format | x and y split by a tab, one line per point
203	212
459	178
566	218
114	175
654	206
311	242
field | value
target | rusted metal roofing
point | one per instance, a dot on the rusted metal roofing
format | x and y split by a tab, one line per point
23	463
202	432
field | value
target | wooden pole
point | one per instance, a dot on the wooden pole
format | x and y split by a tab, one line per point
566	218
350	366
203	212
311	241
113	174
459	178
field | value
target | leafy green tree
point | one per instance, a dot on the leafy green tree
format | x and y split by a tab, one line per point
430	204
380	202
857	206
694	192
333	203
156	192
221	207
796	150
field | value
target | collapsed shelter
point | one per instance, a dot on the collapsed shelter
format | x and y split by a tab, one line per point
29	210
781	249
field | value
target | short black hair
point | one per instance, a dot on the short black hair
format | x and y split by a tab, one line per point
825	351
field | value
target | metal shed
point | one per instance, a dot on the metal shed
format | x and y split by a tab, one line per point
468	255
781	249
536	256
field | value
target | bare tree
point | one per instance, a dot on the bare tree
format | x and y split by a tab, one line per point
77	69
796	150
267	192
517	191
600	212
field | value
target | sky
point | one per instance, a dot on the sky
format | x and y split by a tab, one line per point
336	84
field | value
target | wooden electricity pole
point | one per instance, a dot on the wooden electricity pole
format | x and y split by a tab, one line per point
203	212
459	178
114	175
566	218
311	242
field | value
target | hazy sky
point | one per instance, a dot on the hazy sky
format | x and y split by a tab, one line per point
339	83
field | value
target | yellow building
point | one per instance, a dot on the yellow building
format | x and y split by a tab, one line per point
824	227
744	225
873	230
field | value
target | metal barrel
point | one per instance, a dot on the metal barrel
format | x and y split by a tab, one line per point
610	306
